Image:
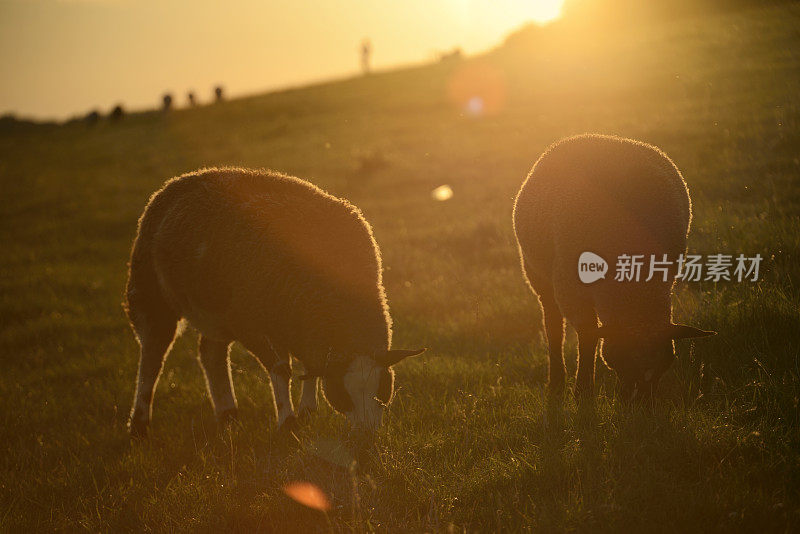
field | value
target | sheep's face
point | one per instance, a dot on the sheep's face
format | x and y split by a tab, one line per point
370	387
640	355
365	388
639	360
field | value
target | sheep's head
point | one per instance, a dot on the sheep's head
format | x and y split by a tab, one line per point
363	389
641	355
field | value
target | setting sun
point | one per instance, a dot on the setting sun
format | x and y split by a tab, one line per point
539	11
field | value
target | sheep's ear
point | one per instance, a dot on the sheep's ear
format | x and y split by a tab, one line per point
391	357
682	331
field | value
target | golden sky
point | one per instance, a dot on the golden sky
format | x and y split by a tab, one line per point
64	57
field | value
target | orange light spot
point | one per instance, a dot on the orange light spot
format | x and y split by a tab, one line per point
478	89
308	494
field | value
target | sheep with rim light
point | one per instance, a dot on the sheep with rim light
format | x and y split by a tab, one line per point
609	196
277	264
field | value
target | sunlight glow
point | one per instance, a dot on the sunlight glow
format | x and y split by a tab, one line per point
538	11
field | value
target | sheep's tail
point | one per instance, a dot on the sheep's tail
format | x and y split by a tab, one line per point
144	297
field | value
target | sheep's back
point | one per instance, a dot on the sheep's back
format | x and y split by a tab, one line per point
606	195
244	251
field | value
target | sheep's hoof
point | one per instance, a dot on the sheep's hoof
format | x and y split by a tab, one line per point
555	387
304	413
286	432
584	391
288	426
138	428
228	416
626	394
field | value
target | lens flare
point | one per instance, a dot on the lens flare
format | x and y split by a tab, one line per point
478	89
442	193
308	494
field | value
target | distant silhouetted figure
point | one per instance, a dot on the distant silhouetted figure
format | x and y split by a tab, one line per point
92	117
218	94
366	55
117	113
167	99
453	55
192	100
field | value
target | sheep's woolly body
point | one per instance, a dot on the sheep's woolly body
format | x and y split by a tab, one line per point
266	259
610	196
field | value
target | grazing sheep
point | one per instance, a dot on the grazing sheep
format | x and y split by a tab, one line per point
609	196
117	113
277	264
92	118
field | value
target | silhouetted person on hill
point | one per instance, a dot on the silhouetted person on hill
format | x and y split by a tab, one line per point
366	55
117	113
454	55
167	99
218	94
190	97
92	117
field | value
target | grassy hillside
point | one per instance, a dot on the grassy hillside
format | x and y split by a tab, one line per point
472	441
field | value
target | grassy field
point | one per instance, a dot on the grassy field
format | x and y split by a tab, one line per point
472	441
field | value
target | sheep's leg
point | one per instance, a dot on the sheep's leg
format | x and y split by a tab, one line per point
308	400
154	343
553	327
627	390
554	331
216	365
281	376
279	365
587	354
